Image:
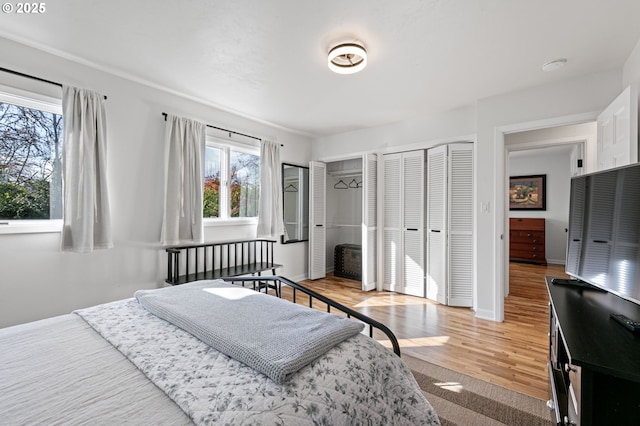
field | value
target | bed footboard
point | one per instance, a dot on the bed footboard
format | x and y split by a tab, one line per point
277	281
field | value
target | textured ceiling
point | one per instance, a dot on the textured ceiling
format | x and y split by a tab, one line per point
267	59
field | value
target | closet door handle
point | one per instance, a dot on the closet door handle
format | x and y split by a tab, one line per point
435	230
412	229
320	226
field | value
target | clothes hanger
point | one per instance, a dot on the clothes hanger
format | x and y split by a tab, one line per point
341	185
291	188
353	184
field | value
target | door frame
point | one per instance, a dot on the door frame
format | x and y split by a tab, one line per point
363	157
501	215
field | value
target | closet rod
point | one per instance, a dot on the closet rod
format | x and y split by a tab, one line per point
33	77
225	130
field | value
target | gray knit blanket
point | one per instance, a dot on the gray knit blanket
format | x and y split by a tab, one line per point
270	335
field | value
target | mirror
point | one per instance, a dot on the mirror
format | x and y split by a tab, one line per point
295	196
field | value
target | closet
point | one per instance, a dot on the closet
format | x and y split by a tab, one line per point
407	217
344	215
450	224
403	222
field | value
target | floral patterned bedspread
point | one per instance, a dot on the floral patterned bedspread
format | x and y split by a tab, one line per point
358	382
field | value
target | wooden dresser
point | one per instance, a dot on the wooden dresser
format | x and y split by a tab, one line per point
526	240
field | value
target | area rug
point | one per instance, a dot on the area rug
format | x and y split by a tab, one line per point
461	400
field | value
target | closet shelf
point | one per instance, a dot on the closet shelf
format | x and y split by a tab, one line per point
345	173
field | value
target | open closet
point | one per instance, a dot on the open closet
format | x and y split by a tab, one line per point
343	219
405	217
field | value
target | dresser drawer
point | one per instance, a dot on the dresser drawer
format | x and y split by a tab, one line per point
532	256
523	243
527	240
527	236
527	224
530	247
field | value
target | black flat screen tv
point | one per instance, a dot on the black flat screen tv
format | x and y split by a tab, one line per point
603	247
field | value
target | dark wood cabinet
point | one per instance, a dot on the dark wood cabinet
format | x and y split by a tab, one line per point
594	362
527	240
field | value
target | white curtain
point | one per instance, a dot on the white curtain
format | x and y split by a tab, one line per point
184	179
86	217
270	221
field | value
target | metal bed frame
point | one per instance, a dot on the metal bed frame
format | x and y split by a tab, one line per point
207	261
276	282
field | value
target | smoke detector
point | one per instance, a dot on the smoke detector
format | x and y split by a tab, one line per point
554	65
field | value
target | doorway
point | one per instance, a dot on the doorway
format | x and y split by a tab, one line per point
557	154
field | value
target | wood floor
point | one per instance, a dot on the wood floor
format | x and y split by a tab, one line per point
512	354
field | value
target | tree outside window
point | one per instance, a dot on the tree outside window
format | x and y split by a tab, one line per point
30	163
231	183
245	184
212	173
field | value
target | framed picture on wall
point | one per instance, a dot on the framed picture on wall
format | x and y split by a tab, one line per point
528	192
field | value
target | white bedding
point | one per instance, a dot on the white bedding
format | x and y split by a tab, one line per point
60	371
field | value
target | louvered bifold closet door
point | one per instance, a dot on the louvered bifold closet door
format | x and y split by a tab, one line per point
370	221
413	222
460	217
317	208
392	222
436	224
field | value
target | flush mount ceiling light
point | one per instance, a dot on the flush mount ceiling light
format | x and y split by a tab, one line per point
554	65
347	58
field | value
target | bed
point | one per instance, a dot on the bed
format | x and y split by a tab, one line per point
138	361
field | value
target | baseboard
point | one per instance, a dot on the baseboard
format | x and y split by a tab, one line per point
369	287
485	314
556	261
298	278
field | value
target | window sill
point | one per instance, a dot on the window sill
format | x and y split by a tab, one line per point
230	222
30	226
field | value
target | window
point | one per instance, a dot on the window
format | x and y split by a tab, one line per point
231	181
30	159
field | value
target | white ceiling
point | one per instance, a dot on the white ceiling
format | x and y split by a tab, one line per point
267	59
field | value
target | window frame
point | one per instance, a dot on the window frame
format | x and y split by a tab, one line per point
34	100
226	146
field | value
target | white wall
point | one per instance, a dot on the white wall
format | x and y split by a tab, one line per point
38	280
415	133
631	69
555	164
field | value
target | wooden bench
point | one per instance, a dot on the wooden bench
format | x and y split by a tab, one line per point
208	261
